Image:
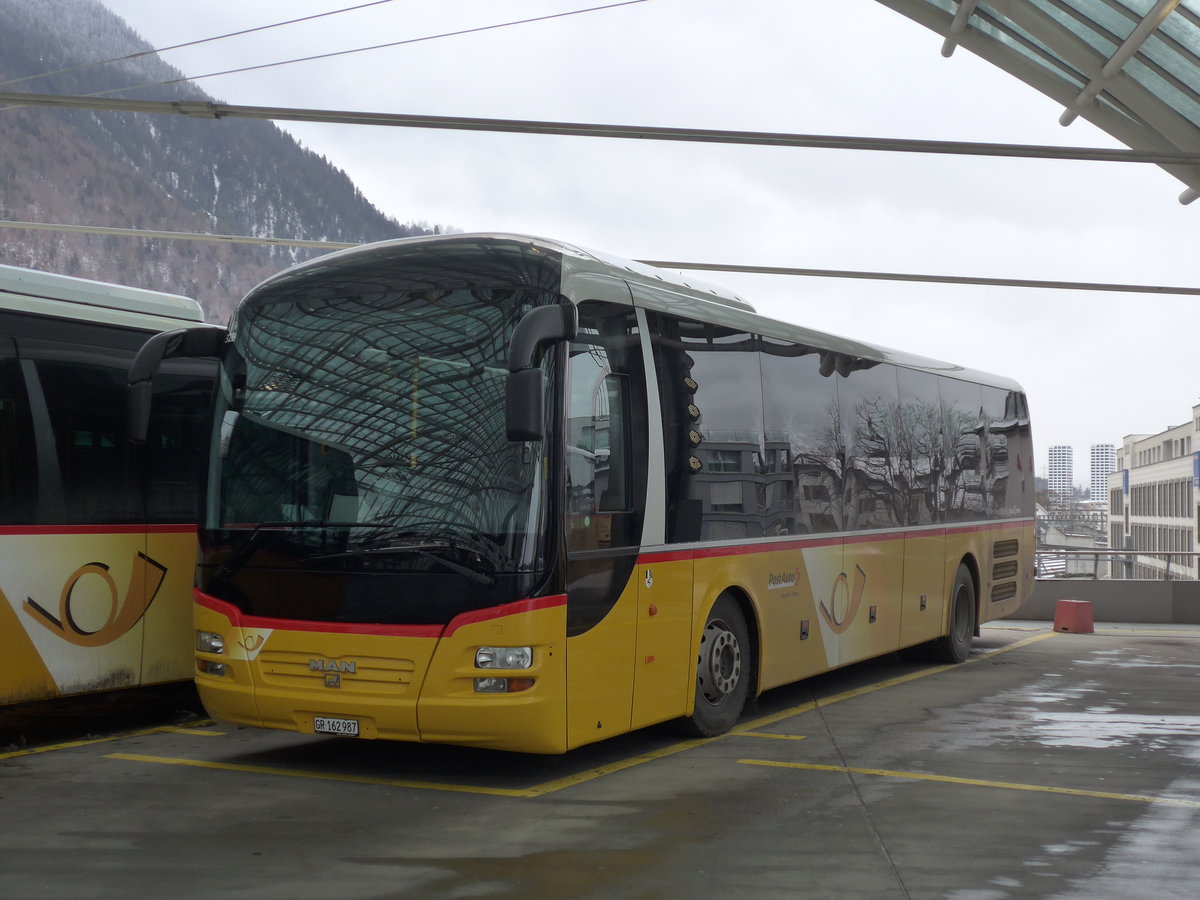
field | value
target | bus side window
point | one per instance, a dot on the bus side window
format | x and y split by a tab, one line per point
177	442
76	389
17	461
602	471
919	438
962	452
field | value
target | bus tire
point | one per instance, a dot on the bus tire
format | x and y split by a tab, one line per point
723	670
955	646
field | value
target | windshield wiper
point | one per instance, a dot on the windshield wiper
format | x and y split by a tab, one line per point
241	553
434	552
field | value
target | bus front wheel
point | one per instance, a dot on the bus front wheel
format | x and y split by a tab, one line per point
723	669
955	646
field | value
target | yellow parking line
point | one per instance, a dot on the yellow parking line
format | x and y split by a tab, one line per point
319	776
87	742
770	734
550	787
763	721
976	782
750	728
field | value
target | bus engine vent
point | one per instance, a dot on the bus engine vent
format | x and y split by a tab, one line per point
1005	591
1005	570
1002	549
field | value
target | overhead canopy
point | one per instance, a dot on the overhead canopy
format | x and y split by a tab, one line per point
1130	67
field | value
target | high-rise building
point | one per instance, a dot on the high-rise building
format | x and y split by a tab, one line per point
1104	463
1060	477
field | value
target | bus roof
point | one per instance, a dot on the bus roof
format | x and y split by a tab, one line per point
45	293
589	274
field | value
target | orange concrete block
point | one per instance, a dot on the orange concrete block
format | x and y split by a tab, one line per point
1073	615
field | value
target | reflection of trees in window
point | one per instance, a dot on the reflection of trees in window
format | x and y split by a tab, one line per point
919	444
962	432
804	440
868	400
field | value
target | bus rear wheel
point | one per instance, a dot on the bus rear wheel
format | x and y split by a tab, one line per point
723	670
955	646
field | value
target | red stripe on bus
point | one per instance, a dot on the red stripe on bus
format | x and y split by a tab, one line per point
666	556
776	547
476	616
235	617
97	529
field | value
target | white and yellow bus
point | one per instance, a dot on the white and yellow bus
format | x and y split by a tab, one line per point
500	491
97	540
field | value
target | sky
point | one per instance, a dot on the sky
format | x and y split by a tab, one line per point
1096	366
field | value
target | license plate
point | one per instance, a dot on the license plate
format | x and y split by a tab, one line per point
344	727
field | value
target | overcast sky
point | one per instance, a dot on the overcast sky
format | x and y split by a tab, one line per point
1096	366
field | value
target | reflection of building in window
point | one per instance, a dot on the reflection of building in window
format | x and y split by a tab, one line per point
724	461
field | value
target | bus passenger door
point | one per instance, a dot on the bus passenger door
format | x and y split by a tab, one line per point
605	440
663	662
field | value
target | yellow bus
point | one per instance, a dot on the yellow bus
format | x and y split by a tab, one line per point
97	541
501	491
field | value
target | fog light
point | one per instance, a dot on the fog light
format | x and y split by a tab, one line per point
209	642
504	657
211	668
502	685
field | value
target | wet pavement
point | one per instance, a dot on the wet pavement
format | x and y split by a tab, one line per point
1048	765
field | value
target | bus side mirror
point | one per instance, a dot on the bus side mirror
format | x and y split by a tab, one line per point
524	402
202	341
525	387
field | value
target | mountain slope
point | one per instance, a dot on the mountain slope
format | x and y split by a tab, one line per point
166	173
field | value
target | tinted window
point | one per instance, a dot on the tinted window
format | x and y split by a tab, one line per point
77	399
867	400
18	467
803	440
713	420
64	457
1007	461
963	428
178	439
919	441
605	408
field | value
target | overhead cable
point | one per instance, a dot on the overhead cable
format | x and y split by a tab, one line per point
210	110
662	264
336	53
207	40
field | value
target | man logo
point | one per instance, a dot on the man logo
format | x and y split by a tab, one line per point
333	670
330	665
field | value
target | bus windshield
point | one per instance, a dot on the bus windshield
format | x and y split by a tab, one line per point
361	434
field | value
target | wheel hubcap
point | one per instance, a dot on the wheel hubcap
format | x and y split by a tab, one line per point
720	662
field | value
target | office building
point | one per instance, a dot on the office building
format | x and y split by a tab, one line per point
1153	498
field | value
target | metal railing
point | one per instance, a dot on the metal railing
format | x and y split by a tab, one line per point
1103	562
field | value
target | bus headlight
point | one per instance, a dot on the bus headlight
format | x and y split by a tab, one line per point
209	642
504	657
